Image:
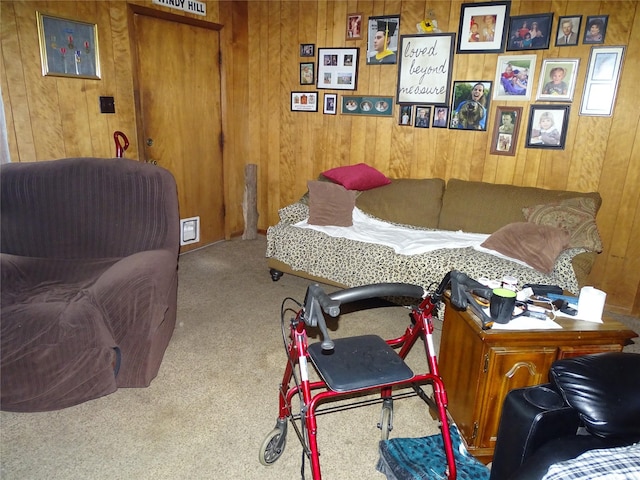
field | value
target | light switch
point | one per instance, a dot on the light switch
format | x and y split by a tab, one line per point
107	105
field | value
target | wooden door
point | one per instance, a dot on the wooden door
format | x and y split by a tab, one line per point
179	113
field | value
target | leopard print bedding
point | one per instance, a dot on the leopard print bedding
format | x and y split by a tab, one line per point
354	263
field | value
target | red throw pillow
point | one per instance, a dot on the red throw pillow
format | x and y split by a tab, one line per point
357	177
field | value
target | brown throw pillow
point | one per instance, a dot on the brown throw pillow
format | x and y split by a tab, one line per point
576	215
330	204
536	245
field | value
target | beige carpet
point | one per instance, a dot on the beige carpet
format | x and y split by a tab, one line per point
215	398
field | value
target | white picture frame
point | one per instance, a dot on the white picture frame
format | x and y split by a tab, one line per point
601	83
558	79
337	68
509	82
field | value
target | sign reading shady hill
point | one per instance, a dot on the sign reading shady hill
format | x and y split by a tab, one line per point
191	6
424	71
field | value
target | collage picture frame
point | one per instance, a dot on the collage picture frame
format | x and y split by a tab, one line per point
506	127
337	68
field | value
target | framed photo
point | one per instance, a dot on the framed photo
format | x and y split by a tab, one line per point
514	77
405	115
470	105
483	27
505	130
307	73
376	106
568	30
596	29
558	79
601	83
424	73
354	26
382	40
547	126
337	68
440	117
530	32
307	50
423	114
330	106
304	101
68	48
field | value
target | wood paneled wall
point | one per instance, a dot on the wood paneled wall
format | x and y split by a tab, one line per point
49	117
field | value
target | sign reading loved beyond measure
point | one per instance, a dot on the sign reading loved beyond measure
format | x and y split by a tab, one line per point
424	73
191	6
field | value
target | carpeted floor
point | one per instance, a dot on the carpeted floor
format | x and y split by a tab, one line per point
215	398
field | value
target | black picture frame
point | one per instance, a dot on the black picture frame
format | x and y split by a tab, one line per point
489	19
521	28
330	104
393	36
422	116
469	112
307	49
307	73
440	117
551	136
595	21
571	36
405	115
304	101
425	69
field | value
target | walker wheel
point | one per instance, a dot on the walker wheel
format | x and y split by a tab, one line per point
273	446
386	422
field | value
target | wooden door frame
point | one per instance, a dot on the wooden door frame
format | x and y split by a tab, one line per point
133	10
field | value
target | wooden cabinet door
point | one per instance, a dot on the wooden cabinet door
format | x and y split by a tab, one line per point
507	368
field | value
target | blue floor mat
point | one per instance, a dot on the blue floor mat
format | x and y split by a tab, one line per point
424	458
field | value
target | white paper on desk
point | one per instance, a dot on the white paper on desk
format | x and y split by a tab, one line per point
525	323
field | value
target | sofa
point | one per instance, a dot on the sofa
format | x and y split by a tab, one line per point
504	213
88	264
585	423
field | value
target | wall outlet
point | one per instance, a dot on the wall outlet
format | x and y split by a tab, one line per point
189	230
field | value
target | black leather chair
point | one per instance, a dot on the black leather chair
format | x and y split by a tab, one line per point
592	402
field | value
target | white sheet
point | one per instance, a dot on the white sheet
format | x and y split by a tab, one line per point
406	241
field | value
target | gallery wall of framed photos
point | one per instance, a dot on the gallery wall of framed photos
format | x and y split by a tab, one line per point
263	64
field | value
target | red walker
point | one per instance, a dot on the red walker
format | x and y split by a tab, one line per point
373	365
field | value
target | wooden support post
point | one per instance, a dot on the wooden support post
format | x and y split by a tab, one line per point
250	202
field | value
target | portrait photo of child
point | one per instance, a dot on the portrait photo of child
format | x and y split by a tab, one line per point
558	79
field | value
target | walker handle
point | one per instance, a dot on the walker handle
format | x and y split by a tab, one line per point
315	302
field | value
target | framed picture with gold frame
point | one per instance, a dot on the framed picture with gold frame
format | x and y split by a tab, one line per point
68	48
505	130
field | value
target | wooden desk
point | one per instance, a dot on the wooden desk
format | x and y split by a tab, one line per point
479	367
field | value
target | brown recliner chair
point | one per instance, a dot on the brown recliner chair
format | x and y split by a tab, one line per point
88	258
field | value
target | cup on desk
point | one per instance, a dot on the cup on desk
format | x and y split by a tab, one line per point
502	303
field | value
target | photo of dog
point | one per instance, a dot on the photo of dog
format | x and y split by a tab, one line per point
470	105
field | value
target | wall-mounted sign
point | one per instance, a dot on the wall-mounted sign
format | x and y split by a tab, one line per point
424	74
191	6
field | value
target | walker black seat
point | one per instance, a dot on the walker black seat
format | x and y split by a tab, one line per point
358	363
